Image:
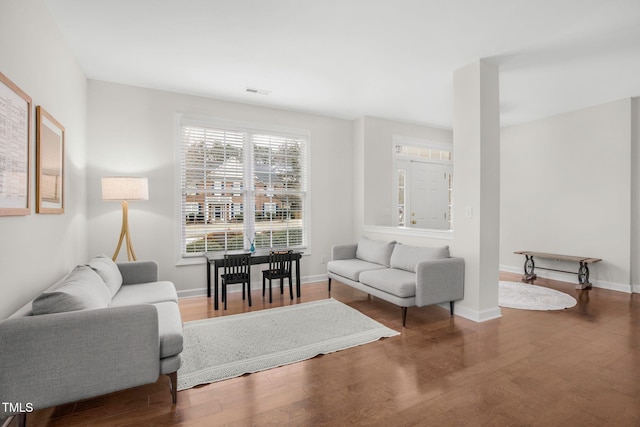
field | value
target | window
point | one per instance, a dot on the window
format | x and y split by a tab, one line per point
241	183
402	187
423	153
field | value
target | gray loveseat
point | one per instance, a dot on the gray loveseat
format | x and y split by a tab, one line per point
403	275
103	327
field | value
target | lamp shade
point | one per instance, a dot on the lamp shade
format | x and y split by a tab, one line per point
125	188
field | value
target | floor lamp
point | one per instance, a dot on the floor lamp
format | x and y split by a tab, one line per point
125	188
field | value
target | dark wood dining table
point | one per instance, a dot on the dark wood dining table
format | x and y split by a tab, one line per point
259	257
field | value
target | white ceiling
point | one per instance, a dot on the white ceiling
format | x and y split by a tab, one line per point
350	58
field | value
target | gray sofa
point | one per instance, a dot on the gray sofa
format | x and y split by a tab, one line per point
103	327
403	275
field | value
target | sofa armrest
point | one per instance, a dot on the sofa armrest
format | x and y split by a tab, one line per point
134	272
57	358
343	252
439	280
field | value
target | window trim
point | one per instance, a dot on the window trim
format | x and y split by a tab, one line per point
181	119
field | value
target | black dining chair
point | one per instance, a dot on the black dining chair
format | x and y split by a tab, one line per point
279	268
237	269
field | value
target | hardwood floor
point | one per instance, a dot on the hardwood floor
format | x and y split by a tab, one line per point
576	367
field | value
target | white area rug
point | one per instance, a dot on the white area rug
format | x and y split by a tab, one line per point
532	297
230	346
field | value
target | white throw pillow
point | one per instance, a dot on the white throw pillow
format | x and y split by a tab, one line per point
408	257
375	251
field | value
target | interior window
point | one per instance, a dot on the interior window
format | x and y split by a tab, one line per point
423	184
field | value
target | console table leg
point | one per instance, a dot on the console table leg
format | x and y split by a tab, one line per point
529	268
583	276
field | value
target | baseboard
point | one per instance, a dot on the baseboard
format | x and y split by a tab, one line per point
314	279
192	293
573	278
475	315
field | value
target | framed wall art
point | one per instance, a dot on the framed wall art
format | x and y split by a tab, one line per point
15	142
49	163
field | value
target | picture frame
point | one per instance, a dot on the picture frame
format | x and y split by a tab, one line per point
15	149
49	163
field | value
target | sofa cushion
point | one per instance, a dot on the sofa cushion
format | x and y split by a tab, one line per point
408	257
396	282
82	289
375	251
109	271
351	268
169	328
145	293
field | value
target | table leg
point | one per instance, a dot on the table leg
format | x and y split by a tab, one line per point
298	277
208	278
215	287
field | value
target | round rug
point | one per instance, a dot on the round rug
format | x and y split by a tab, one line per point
532	297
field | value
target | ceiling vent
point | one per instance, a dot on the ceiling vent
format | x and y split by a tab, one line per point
258	91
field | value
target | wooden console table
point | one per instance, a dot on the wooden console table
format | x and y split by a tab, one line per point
583	269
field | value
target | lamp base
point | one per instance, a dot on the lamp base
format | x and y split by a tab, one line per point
124	234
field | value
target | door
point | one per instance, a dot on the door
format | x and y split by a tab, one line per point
429	196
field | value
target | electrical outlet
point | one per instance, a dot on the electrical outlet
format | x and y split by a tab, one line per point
323	260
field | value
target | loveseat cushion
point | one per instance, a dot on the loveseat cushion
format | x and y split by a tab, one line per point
81	289
408	257
351	268
169	328
109	271
145	293
393	281
375	251
134	272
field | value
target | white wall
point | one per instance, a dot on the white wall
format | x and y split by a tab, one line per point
566	188
37	249
132	131
635	194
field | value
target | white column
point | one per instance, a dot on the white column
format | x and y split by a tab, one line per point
476	210
635	196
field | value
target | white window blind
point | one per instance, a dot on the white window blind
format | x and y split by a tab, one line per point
242	184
